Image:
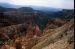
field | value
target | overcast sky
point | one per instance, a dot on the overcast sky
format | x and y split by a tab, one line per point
66	4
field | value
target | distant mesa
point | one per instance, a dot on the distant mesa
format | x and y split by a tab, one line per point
25	9
29	8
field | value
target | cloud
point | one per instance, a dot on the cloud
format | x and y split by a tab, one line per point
2	1
68	4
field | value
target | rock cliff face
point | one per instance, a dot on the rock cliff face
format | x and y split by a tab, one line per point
59	36
34	39
33	31
36	30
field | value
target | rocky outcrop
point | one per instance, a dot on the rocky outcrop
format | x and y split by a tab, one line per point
56	35
34	39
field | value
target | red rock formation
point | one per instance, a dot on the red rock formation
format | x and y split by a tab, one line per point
55	23
4	37
37	31
33	31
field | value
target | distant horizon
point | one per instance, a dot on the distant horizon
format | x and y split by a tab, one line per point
62	4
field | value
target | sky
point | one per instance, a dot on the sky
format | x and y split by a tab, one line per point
65	4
